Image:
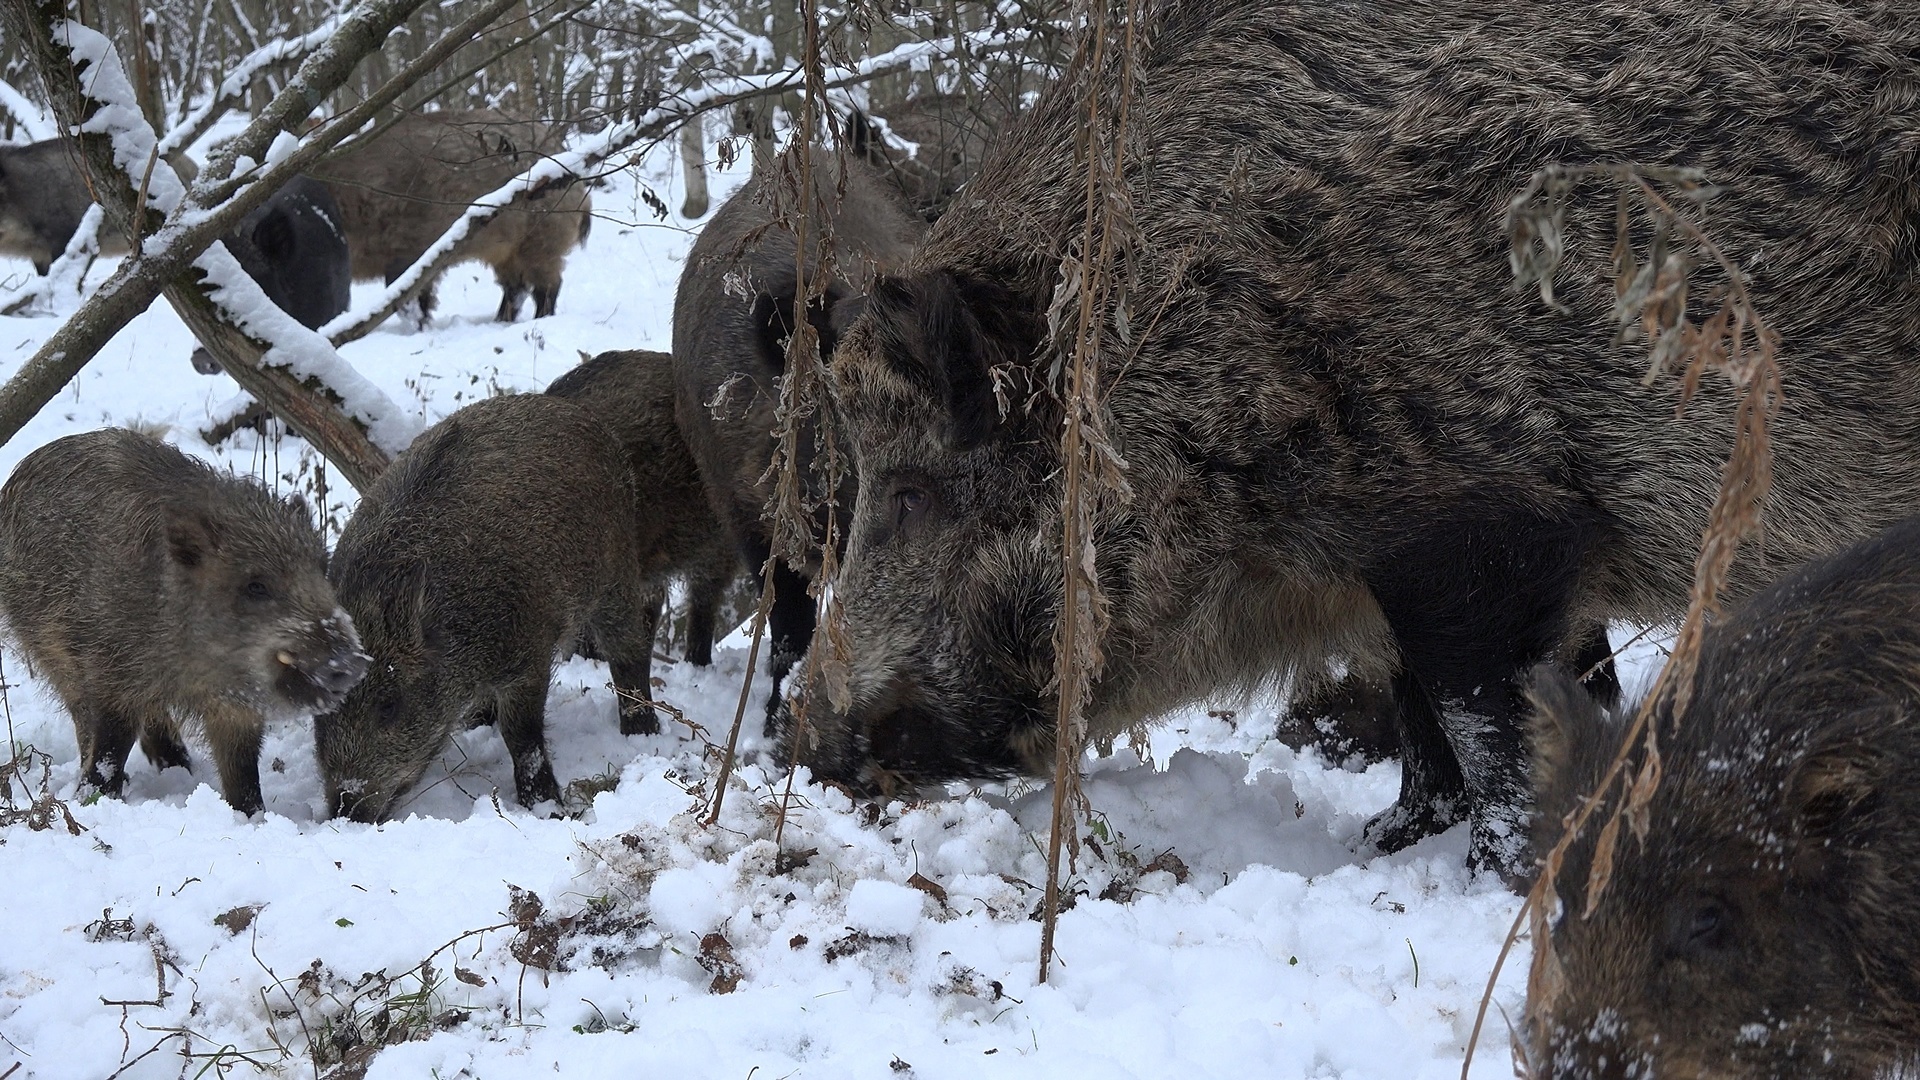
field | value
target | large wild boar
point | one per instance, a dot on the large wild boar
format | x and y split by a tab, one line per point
400	189
1767	927
1346	434
149	588
730	326
503	532
632	392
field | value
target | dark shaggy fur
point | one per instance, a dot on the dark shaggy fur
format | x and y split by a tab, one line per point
1767	928
731	319
402	189
149	588
504	532
1346	434
295	246
632	393
43	197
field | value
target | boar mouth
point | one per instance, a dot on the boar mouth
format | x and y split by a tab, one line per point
361	806
903	744
318	683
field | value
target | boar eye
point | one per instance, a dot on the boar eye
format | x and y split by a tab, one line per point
909	504
258	590
1700	926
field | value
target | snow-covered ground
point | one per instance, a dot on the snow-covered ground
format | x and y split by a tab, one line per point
1223	923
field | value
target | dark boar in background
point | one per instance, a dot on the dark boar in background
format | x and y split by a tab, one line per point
1346	435
402	188
43	197
632	392
504	532
294	246
1767	926
731	317
146	587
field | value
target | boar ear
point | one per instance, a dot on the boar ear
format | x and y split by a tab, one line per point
273	237
191	537
951	332
424	632
1572	740
1840	779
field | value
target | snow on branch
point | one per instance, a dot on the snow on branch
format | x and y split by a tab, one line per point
34	122
306	354
566	167
236	83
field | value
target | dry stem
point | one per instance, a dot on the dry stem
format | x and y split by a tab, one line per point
1733	340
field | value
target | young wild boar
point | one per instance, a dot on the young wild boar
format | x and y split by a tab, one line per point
402	188
1346	435
43	197
146	587
503	532
1766	927
294	246
632	393
730	326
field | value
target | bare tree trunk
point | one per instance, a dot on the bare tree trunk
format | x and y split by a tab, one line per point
693	158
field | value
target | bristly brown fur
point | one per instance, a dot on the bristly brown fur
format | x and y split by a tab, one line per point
149	587
632	393
1347	436
504	533
1765	927
399	191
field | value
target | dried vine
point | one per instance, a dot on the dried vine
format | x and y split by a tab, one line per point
1092	284
1733	340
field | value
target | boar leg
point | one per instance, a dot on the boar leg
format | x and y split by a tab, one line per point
105	735
545	299
1473	605
236	735
522	716
703	612
625	629
160	741
511	294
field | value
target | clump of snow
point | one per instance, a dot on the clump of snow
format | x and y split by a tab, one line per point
884	909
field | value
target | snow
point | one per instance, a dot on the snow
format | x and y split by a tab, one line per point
1222	923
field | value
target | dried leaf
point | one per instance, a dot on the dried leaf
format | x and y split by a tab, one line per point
238	919
1601	871
930	887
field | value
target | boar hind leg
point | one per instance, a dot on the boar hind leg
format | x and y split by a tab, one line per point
512	294
236	734
1472	606
106	736
545	299
703	612
160	741
625	630
522	716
